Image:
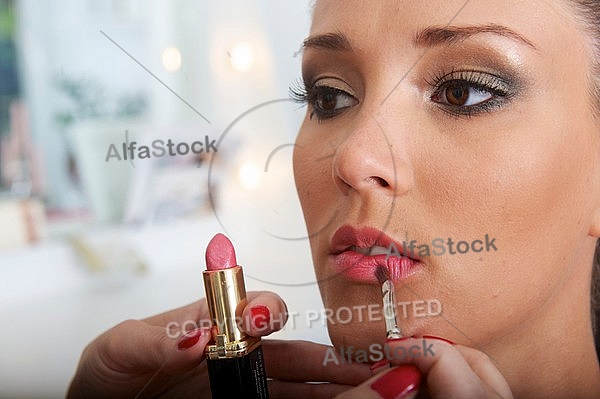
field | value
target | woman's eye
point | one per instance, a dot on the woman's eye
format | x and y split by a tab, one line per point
462	94
328	101
325	101
468	93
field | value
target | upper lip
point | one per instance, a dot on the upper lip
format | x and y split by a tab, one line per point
347	237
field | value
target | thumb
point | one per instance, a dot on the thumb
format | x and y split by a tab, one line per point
400	382
134	347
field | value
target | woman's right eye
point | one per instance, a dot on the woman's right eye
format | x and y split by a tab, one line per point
326	101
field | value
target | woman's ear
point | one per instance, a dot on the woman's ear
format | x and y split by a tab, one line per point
595	223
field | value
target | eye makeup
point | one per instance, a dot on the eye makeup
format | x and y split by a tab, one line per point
471	79
463	80
325	97
469	92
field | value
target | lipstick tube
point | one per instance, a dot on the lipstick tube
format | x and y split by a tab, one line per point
235	360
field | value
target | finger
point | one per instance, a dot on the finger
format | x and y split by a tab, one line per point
265	313
448	371
399	382
187	315
292	390
302	361
134	346
195	315
485	368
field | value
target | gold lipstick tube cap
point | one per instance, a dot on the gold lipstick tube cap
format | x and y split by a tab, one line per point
226	299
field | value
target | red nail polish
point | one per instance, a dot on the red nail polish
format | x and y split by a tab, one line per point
399	339
385	362
190	339
398	383
379	364
261	316
439	338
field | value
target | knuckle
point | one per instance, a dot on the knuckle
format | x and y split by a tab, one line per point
480	359
115	338
126	326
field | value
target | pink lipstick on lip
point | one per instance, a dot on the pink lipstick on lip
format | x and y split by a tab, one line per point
361	266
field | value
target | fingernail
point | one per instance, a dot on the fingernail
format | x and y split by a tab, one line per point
399	339
385	362
439	338
191	338
379	364
398	383
261	316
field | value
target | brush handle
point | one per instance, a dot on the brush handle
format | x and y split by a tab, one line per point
389	310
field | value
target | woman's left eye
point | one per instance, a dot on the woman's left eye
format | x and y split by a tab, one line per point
460	94
470	92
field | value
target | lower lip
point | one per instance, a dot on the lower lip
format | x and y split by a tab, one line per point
358	267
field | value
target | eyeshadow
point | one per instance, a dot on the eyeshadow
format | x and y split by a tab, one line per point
473	57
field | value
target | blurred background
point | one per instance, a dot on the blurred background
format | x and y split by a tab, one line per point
90	236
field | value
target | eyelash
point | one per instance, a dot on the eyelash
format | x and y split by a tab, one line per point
499	88
311	93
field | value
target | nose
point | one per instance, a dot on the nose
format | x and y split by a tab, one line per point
371	160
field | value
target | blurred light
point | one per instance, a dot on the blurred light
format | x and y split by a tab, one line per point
171	59
249	176
242	56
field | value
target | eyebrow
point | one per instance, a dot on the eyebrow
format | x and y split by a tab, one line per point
428	37
329	41
440	35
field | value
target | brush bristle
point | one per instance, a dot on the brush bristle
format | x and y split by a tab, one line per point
382	274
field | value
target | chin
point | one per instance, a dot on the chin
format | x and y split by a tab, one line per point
357	335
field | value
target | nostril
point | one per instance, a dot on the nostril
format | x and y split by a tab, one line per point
377	180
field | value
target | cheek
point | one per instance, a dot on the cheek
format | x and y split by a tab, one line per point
529	189
312	174
523	181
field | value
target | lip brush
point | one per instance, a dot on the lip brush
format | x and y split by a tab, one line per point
389	303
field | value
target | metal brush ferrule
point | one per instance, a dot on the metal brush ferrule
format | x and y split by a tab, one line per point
389	311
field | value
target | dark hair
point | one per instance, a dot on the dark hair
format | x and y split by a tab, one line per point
588	13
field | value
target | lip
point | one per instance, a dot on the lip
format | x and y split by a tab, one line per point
359	267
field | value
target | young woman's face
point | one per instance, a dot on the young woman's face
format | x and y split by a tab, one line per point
427	120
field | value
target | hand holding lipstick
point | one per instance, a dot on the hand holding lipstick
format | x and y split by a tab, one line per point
163	355
120	362
149	358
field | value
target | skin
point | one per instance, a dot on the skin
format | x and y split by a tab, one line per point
526	173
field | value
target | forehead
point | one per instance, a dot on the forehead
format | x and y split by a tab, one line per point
550	24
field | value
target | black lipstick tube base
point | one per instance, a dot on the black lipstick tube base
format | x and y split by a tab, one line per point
239	377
